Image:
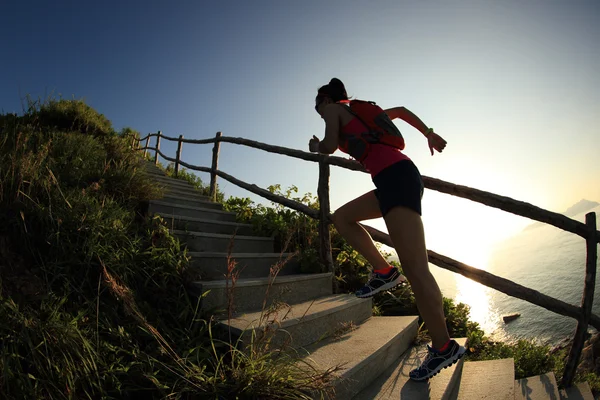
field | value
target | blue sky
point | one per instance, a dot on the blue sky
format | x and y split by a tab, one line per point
512	85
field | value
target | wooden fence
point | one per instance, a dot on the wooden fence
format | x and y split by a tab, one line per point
583	313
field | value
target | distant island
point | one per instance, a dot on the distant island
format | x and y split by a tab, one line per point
581	206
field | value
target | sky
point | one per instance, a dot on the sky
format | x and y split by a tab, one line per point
512	85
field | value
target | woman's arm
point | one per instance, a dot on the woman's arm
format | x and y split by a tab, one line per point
435	141
332	130
406	115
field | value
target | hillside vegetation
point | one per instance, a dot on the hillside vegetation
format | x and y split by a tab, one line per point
93	292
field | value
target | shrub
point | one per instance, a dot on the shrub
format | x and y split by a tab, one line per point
68	116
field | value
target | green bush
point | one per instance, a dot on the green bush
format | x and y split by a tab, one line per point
81	273
292	230
68	116
530	358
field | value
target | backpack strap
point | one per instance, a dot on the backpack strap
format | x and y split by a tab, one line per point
371	135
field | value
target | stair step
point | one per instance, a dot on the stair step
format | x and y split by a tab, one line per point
493	380
579	391
150	166
304	323
179	191
206	225
249	294
200	201
363	353
161	207
216	242
394	382
165	180
152	173
213	265
195	196
540	387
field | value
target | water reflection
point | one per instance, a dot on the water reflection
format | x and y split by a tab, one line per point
478	298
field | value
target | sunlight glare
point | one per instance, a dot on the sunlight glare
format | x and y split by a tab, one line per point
476	295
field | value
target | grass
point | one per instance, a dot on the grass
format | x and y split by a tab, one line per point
93	294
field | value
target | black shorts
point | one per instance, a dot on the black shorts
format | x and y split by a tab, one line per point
400	184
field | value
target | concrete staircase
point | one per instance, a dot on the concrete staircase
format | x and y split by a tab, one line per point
376	353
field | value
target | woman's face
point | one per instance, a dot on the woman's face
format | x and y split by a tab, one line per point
320	103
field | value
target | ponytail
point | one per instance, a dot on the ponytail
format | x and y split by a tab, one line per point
335	90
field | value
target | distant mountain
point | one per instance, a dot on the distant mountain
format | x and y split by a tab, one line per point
581	206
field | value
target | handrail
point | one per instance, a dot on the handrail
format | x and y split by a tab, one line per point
495	282
252	188
586	305
504	203
583	314
485	278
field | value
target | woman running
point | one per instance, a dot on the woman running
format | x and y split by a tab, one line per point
397	198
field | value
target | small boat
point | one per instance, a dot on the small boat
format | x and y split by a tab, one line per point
510	317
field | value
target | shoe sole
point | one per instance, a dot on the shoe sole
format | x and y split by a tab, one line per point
444	365
401	279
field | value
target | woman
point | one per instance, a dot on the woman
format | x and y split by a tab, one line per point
397	198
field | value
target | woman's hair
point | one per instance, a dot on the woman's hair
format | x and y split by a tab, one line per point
335	90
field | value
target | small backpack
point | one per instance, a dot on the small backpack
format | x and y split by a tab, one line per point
380	127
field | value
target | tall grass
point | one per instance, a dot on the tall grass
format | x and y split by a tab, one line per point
93	294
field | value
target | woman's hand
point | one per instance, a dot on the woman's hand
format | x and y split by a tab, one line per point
436	142
313	144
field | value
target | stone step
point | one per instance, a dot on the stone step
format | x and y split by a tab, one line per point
363	353
540	387
211	265
150	165
195	195
579	391
177	191
199	201
161	207
154	172
170	181
394	382
249	294
190	224
490	380
217	242
299	325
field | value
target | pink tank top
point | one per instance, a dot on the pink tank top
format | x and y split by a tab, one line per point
380	156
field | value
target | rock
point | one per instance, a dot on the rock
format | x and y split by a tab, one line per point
510	317
590	355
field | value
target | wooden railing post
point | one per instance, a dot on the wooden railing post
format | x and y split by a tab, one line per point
178	157
324	210
146	146
586	302
157	148
215	165
132	142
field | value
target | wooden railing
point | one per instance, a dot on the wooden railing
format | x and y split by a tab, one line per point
583	314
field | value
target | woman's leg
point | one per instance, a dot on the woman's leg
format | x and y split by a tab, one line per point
346	219
406	231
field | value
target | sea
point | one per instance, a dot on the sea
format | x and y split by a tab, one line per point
540	257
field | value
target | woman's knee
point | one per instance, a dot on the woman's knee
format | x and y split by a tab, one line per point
342	217
339	218
362	208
